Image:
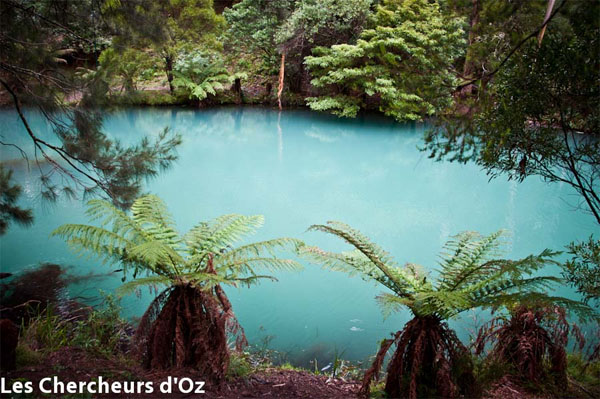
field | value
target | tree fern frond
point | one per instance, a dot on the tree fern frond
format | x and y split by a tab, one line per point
159	257
258	248
248	265
465	256
219	234
356	263
151	213
445	304
539	299
108	214
131	286
391	303
380	258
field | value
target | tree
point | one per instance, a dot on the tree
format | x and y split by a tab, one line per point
186	324
200	73
253	25
318	23
429	359
169	28
582	271
9	211
532	340
293	28
539	113
403	63
41	42
125	65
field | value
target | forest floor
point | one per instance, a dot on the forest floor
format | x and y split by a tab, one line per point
76	364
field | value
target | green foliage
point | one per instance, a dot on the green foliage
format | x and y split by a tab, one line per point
46	50
102	331
46	332
322	23
538	115
403	63
469	276
97	330
26	357
126	66
168	28
583	269
148	242
9	210
583	371
253	25
200	73
239	365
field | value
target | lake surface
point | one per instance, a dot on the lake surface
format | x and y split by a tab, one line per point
299	168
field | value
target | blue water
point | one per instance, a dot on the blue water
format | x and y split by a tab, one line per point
299	168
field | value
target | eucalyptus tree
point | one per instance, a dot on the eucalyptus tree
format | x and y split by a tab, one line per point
187	323
429	359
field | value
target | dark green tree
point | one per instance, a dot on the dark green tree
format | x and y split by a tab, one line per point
9	210
539	115
41	44
169	28
253	25
582	271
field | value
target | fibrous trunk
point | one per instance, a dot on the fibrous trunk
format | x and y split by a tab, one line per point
429	361
189	331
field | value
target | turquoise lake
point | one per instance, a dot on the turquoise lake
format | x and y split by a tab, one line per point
299	168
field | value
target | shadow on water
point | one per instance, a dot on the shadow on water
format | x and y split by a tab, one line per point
44	285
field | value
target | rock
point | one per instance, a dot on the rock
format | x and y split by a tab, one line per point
9	337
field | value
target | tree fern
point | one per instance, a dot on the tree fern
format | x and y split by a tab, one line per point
470	275
148	241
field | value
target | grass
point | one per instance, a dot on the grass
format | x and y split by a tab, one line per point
239	366
98	330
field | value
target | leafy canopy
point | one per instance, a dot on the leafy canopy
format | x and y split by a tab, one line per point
147	241
469	276
402	63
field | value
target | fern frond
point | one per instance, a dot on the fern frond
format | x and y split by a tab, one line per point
391	303
466	257
249	265
150	213
356	263
380	258
108	214
221	233
133	285
158	257
257	248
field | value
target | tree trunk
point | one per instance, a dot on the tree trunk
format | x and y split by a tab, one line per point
169	71
281	78
546	17
470	65
189	331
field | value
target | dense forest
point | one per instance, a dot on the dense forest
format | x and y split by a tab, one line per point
508	85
